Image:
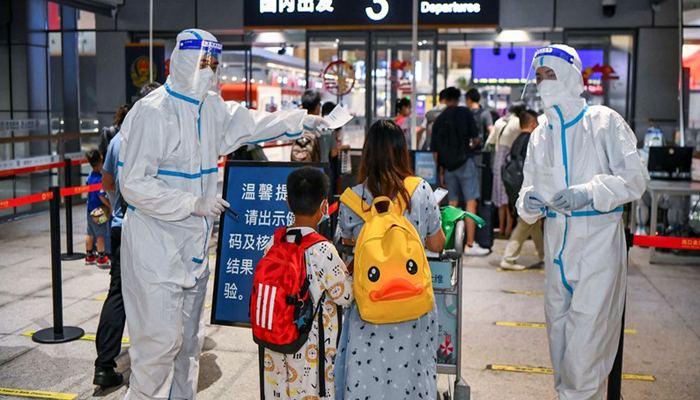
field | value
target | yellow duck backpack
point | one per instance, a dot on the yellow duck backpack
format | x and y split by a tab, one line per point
392	280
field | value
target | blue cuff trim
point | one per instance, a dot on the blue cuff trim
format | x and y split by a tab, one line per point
289	135
197	261
180	96
120	164
130	207
308	128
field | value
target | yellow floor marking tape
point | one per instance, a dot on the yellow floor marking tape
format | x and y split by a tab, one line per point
549	371
541	325
521	324
36	394
91	338
529	293
533	270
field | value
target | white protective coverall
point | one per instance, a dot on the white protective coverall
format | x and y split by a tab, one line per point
171	143
585	253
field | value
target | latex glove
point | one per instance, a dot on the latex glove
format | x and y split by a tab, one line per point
571	199
533	202
209	206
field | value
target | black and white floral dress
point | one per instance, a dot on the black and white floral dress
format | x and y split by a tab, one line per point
390	361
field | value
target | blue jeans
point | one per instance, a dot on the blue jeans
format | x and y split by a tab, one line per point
465	180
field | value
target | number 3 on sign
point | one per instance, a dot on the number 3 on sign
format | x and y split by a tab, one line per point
383	10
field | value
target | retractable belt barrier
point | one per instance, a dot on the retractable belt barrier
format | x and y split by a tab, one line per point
667	242
45	196
26	170
38	168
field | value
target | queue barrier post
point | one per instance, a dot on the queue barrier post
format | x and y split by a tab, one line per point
58	333
615	377
69	255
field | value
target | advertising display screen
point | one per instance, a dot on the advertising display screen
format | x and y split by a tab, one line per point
491	69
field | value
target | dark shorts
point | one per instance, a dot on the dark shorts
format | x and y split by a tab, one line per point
465	180
95	230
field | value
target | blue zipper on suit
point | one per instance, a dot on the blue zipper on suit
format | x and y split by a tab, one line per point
564	126
195	175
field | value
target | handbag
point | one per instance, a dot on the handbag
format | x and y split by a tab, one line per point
100	215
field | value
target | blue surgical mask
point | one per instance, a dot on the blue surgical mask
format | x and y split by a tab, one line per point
325	216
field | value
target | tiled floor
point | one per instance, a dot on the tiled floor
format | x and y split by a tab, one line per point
663	308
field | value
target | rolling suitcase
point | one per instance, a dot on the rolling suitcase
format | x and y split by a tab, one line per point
485	236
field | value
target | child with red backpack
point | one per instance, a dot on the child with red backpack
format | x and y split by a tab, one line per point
299	288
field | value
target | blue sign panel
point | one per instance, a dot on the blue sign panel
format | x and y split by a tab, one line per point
257	192
448	338
425	166
442	274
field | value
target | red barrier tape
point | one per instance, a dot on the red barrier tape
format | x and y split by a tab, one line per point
667	242
37	168
39	197
72	191
23	201
27	170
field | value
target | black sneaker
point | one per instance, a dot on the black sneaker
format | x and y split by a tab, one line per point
107	377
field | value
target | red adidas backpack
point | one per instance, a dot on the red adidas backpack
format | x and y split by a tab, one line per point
281	308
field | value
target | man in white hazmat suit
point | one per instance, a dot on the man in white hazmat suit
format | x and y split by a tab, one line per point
168	162
582	166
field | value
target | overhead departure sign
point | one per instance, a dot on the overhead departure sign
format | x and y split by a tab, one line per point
370	14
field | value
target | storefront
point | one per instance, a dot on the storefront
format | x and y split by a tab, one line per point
359	55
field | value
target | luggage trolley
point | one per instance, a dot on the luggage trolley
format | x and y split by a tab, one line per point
448	287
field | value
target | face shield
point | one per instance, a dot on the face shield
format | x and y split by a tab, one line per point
205	54
556	70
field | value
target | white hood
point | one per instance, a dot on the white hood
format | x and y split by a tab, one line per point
186	78
565	92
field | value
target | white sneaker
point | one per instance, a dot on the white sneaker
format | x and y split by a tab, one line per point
476	251
515	267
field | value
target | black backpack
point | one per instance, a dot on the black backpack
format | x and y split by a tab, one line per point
483	134
452	145
512	172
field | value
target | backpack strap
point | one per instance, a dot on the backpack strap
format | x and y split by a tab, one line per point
411	184
311	239
356	204
321	348
279	234
306	242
